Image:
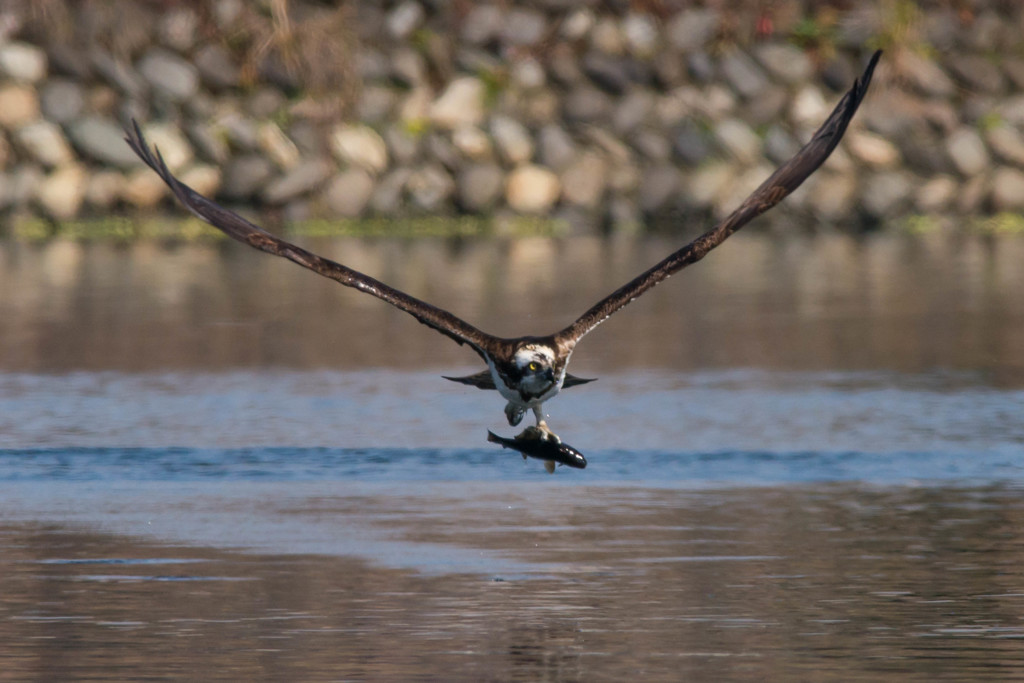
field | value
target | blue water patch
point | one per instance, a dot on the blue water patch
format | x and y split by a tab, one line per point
725	467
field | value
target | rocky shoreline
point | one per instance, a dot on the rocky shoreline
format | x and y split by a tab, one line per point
599	118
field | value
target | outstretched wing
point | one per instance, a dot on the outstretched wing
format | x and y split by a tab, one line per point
242	230
782	182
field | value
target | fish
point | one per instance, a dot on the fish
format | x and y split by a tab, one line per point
534	443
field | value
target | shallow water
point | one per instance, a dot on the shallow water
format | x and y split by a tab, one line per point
804	462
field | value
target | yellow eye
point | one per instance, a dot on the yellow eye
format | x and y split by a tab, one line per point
534	366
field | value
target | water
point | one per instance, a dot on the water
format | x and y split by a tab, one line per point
804	463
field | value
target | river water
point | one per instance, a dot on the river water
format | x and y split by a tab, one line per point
805	462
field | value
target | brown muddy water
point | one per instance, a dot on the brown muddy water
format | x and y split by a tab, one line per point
806	462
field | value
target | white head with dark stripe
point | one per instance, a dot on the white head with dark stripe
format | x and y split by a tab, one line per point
534	368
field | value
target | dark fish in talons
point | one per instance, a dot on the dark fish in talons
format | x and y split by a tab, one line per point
536	443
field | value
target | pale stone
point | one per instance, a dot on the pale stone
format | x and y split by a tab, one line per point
45	143
585	180
472	143
1007	143
512	139
203	178
479	186
104	189
430	187
834	197
461	104
936	194
1008	189
871	149
143	188
62	192
23	62
967	150
348	193
360	146
299	180
532	189
278	146
19	104
739	140
173	146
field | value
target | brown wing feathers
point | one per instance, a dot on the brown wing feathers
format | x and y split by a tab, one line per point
781	183
242	230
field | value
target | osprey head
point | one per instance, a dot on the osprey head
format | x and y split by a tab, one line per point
535	367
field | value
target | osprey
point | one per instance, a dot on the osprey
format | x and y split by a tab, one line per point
527	371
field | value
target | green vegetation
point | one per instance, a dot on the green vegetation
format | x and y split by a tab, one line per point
123	229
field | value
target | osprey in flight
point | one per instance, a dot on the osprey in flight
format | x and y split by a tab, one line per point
528	371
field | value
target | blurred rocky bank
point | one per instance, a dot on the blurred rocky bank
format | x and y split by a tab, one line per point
601	115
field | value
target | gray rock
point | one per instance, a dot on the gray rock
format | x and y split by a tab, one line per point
555	147
208	144
925	75
61	100
403	145
608	72
924	152
690	144
245	176
43	141
692	29
641	34
482	24
564	66
70	60
22	62
178	27
586	104
743	74
372	65
387	198
937	194
240	131
461	104
479	187
266	103
169	74
408	67
305	177
430	187
709	185
21	185
632	111
1008	189
659	187
523	26
511	139
785	62
404	19
1013	67
441	149
361	146
701	67
532	189
1007	143
585	180
376	104
977	73
652	144
118	74
973	194
886	194
738	140
101	139
348	193
768	107
62	192
967	151
216	67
